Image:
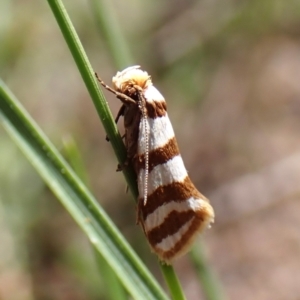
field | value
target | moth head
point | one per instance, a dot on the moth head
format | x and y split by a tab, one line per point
131	79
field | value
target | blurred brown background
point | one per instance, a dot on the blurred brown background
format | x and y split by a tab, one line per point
230	72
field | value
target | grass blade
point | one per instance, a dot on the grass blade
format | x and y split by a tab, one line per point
107	22
87	74
91	83
72	193
114	289
211	287
172	282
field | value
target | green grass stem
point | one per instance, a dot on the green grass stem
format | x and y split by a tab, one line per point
87	74
77	199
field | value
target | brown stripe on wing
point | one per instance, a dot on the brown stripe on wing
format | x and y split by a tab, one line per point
158	156
156	109
176	191
197	225
171	224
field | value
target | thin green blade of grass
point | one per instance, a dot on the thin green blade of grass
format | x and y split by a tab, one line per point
76	198
114	289
73	155
91	83
88	77
109	27
85	69
212	288
173	282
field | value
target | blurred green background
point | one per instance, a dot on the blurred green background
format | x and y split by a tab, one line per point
229	71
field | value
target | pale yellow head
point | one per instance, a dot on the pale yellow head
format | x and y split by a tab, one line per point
125	80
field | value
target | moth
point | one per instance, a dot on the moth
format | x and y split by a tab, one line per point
170	209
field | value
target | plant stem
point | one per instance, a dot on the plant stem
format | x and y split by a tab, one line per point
91	83
87	74
210	285
173	282
108	24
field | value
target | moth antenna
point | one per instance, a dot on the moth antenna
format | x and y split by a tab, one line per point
142	107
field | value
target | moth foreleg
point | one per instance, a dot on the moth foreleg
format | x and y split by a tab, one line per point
120	114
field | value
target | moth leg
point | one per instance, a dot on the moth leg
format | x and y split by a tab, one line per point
124	98
119	168
139	218
124	165
120	114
